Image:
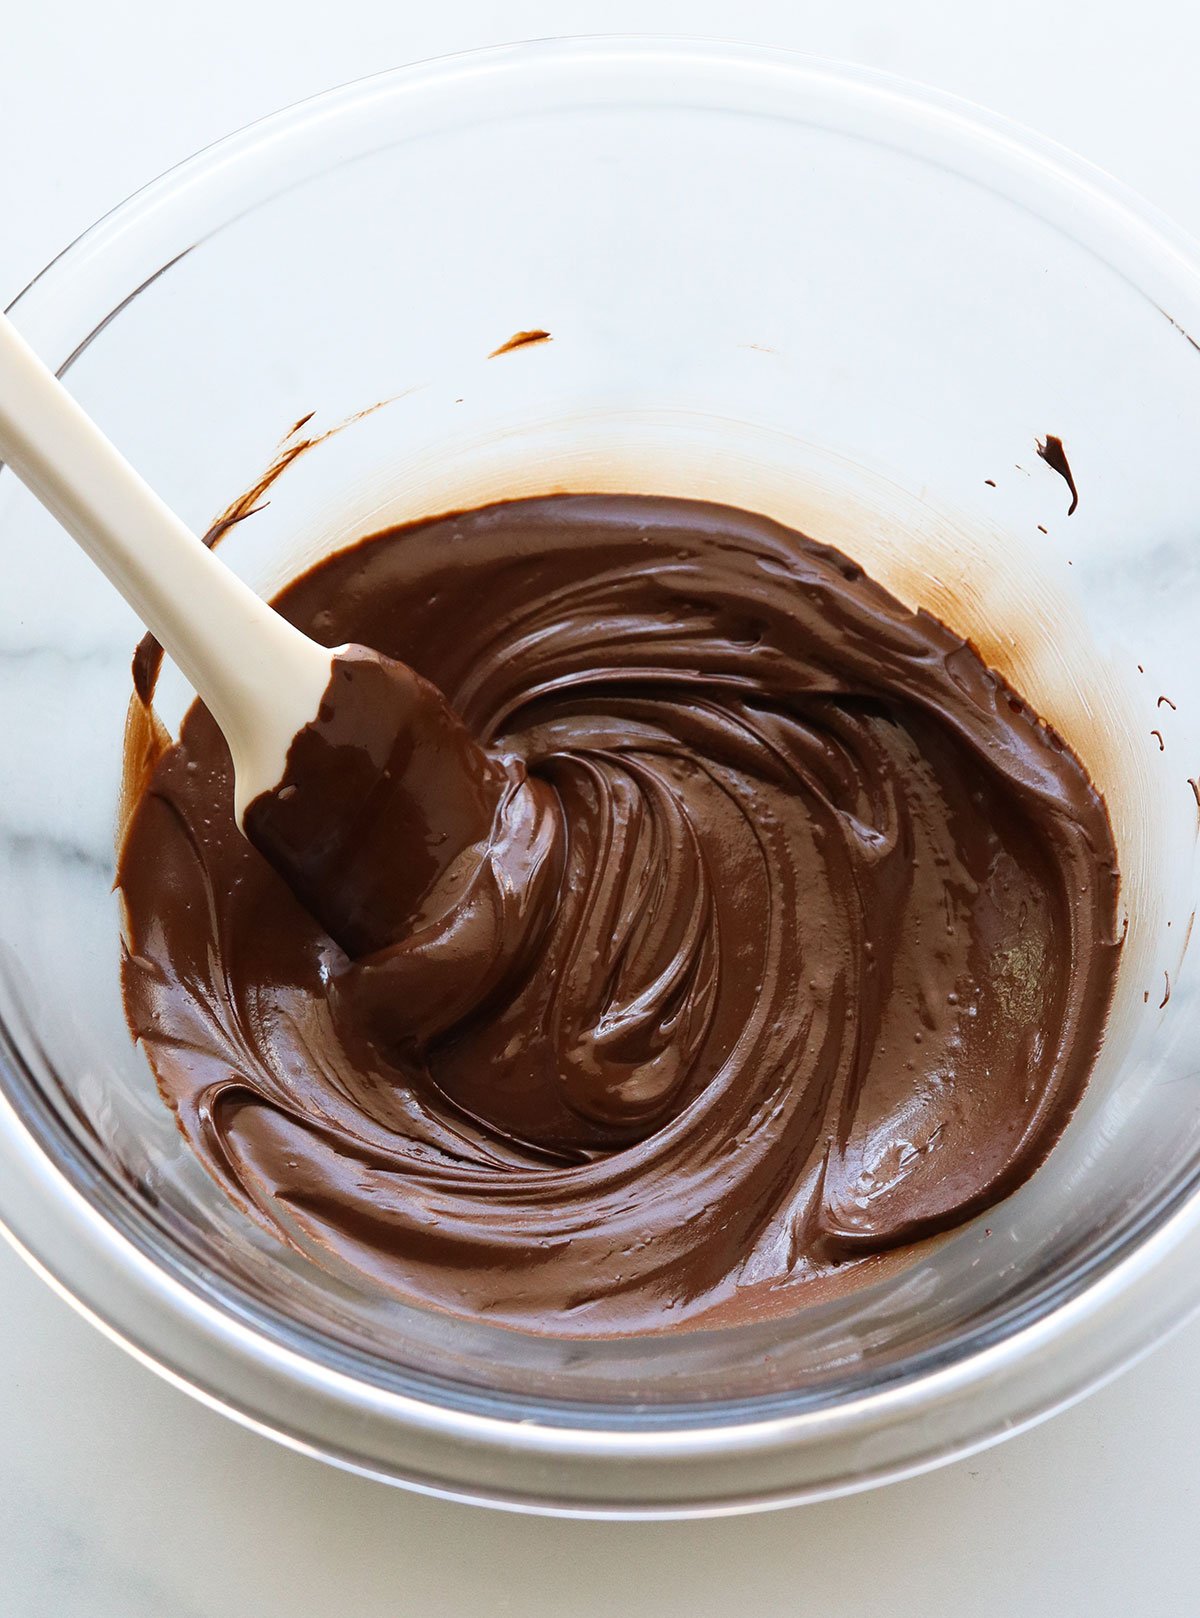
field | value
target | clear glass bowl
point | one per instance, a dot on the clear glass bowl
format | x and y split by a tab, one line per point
803	288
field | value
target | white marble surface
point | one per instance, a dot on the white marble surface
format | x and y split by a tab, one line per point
119	1497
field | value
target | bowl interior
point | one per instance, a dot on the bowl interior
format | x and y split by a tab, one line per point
782	289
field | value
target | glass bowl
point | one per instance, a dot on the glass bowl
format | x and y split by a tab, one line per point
802	288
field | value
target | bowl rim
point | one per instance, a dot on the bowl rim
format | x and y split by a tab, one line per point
897	1430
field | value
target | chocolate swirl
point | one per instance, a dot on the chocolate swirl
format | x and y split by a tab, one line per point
792	941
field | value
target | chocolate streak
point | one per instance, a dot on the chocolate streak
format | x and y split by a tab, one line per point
791	940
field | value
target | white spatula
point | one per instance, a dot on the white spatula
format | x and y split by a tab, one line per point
263	681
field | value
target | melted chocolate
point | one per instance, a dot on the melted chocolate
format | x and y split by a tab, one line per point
786	936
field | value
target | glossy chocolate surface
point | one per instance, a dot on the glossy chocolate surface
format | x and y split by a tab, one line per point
778	933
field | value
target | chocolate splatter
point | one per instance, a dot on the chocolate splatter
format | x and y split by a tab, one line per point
1051	451
521	339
